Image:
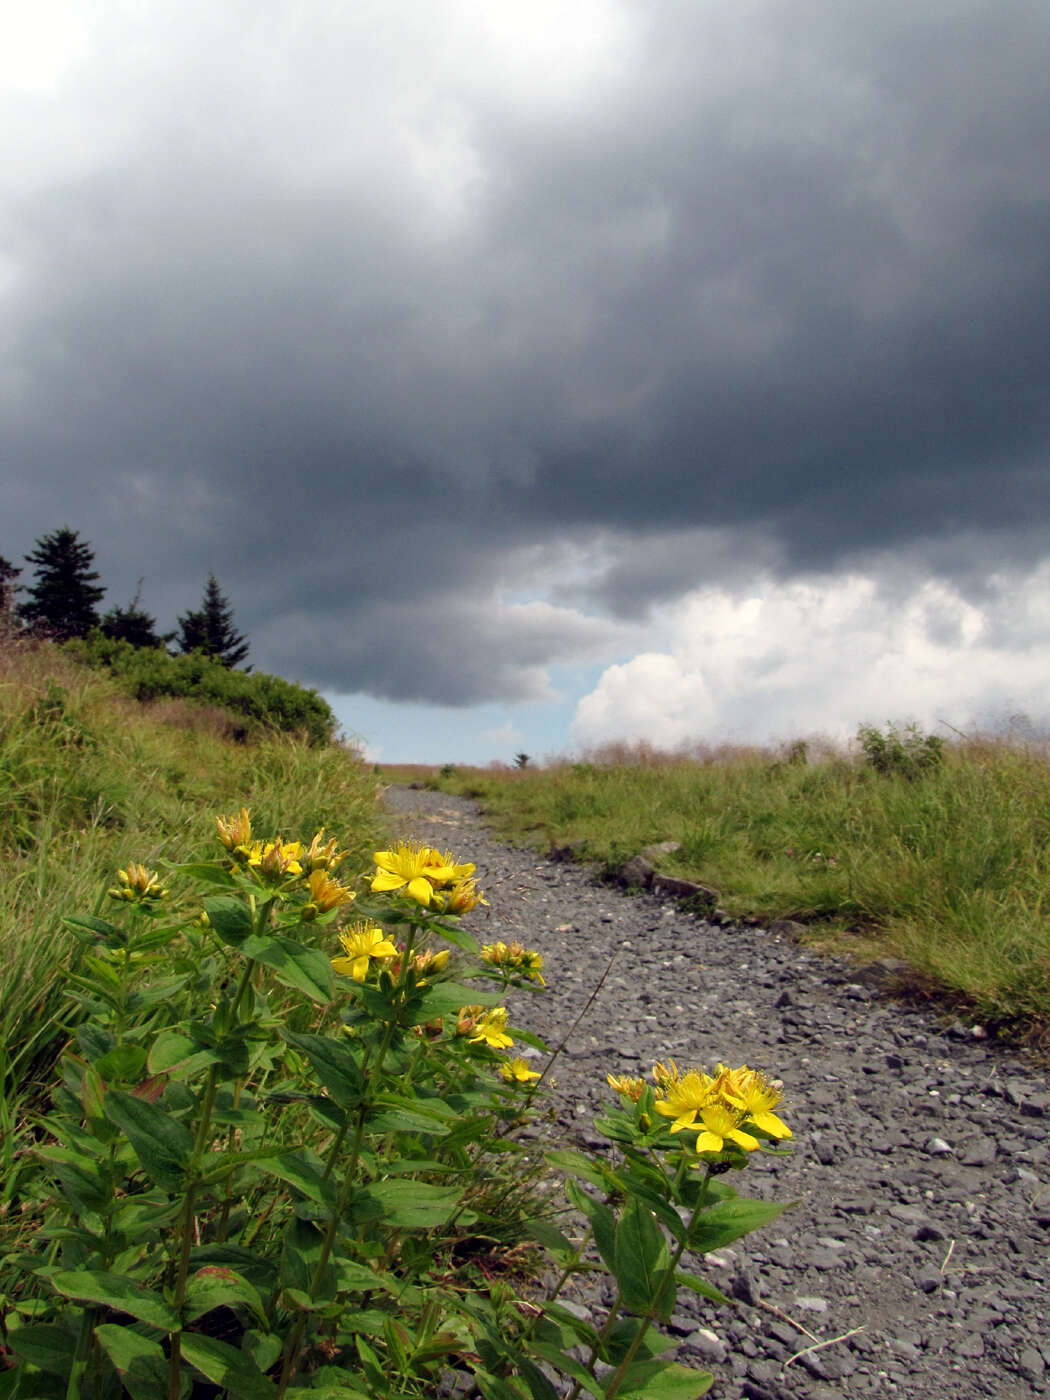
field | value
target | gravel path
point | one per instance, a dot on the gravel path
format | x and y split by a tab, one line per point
921	1154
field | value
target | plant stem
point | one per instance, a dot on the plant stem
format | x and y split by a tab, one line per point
186	1226
613	1385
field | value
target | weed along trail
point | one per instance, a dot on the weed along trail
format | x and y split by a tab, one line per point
916	1260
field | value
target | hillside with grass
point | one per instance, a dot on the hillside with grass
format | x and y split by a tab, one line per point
905	847
131	758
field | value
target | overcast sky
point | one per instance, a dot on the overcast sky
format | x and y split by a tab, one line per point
533	375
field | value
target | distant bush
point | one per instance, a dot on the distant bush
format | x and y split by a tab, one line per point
907	752
149	673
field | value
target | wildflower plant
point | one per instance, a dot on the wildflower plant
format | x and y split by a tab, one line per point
281	1152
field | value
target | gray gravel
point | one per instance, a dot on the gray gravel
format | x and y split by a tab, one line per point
921	1159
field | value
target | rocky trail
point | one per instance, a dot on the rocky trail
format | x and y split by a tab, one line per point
917	1257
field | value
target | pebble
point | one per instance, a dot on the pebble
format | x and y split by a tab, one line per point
921	1165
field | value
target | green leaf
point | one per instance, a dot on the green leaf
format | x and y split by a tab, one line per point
552	1239
229	917
601	1218
568	1366
728	1220
413	1204
90	924
663	1380
140	1361
44	1345
443	998
207	873
297	965
122	1062
226	1366
162	1145
452	933
258	1270
217	1286
334	1063
641	1259
117	1292
576	1164
175	1051
396	1115
303	1174
492	1388
80	1177
705	1289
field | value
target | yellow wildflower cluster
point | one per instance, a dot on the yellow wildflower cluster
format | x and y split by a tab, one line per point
489	1027
278	861
138	885
515	957
361	943
720	1108
430	877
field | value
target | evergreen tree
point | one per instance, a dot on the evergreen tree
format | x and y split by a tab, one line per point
63	602
8	588
210	629
133	624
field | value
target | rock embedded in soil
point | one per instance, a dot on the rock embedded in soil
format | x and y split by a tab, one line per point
921	1162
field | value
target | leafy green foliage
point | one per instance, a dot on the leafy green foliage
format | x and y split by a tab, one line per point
261	700
263	1179
906	752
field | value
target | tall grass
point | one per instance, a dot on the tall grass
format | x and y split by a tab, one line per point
948	869
90	780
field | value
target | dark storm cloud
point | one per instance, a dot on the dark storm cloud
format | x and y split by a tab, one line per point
770	290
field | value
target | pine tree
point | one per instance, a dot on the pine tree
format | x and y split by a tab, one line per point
210	629
63	602
133	624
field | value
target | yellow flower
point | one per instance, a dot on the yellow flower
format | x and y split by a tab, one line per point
492	1029
426	962
361	943
461	898
323	857
515	957
325	894
467	1019
445	860
720	1123
756	1097
279	859
517	1071
630	1088
414	869
138	885
665	1075
683	1098
235	831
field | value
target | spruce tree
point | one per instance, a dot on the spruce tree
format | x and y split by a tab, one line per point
133	624
63	601
210	628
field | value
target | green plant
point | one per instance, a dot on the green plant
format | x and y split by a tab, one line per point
268	1171
906	752
264	701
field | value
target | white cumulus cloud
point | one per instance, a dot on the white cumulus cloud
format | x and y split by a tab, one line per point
826	654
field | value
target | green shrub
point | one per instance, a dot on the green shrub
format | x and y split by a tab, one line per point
907	752
263	701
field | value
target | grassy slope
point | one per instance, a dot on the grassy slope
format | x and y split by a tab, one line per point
949	871
90	780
